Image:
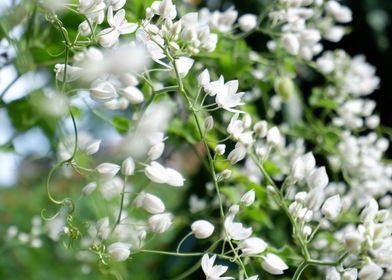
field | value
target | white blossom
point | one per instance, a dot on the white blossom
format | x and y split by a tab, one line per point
119	251
248	198
213	272
273	264
253	246
160	223
202	229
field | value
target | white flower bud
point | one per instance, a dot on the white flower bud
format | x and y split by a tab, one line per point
369	213
334	33
353	240
108	169
234	209
209	123
89	188
298	169
156	173
156	151
142	235
273	264
309	162
128	167
160	223
202	229
291	43
253	246
226	174
370	271
92	147
332	206
237	154
103	91
274	137
204	78
300	197
220	149
307	231
261	128
318	178
152	204
133	94
119	251
247	22
249	197
84	28
350	274
175	179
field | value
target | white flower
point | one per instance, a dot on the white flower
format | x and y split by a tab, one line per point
160	223
133	94
249	197
253	277
92	147
237	154
353	240
228	98
119	251
298	169
220	149
156	173
213	272
204	78
183	64
209	123
236	231
318	178
370	271
274	137
151	203
117	4
103	91
261	128
175	179
84	28
202	229
253	246
128	166
370	211
165	9
108	169
156	151
273	264
332	207
291	43
93	9
89	188
334	33
73	72
247	22
212	88
118	26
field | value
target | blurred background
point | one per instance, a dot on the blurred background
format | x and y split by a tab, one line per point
28	141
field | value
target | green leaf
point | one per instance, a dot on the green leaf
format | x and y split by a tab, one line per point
121	124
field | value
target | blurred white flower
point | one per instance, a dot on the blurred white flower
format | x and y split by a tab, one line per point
119	251
273	264
108	169
247	22
202	229
160	223
253	246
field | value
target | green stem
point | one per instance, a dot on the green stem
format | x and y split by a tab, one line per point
303	265
182	241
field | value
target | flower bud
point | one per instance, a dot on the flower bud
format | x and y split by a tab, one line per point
370	271
209	123
234	209
156	173
133	94
353	241
332	206
103	91
237	154
273	264
93	147
128	167
202	229
318	178
298	169
226	174
261	128
204	78
160	223
284	87
84	28
152	204
248	198
220	149
253	246
307	231
291	43
108	169
247	22
274	137
156	151
119	251
89	188
175	179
